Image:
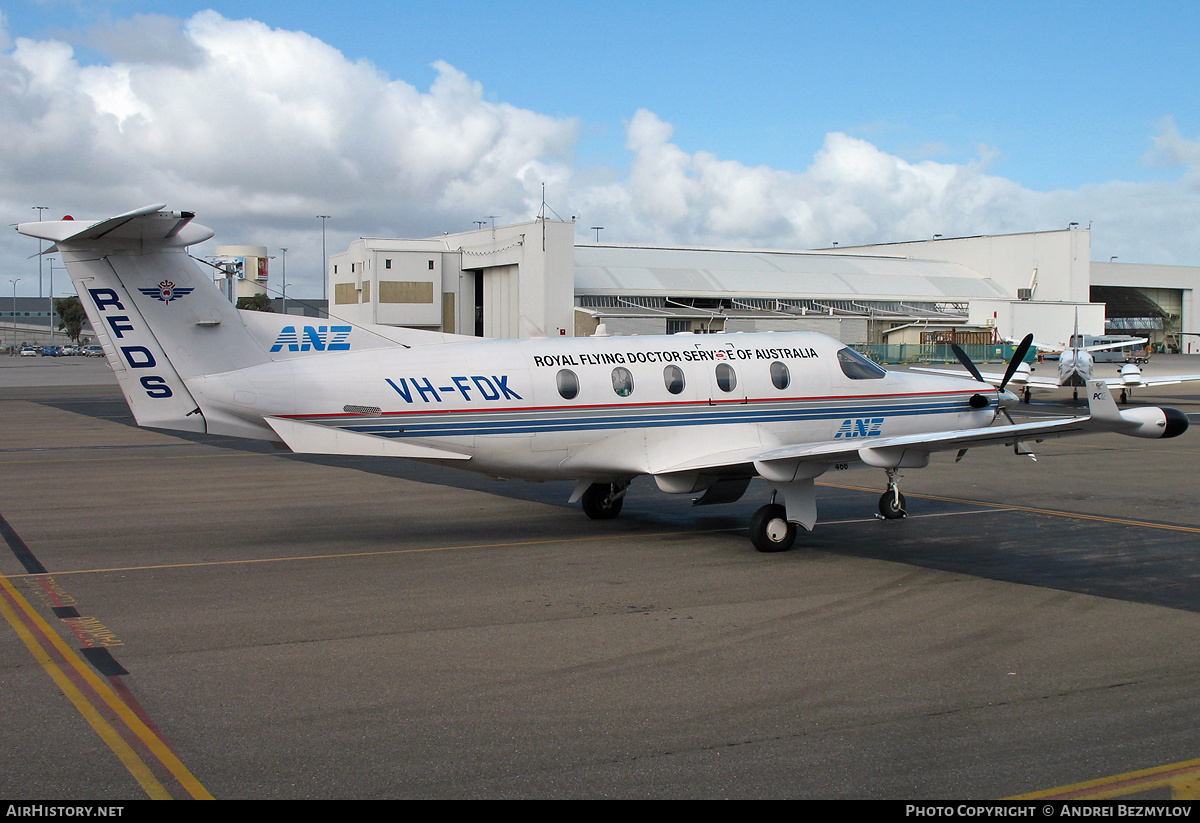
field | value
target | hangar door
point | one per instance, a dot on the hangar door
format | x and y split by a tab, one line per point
495	300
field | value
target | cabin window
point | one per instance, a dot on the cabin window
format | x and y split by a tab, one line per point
568	384
726	378
779	375
622	381
673	378
857	367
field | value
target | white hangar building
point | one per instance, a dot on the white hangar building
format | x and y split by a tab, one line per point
533	279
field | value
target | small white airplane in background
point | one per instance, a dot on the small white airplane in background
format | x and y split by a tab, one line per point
701	414
1076	369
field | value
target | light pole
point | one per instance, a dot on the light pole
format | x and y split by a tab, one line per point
324	263
39	210
53	263
283	277
14	282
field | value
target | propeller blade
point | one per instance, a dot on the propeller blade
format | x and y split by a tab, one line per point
1018	356
966	361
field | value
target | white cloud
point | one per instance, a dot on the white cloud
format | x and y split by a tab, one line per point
258	130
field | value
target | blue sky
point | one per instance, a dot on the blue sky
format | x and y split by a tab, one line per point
1053	111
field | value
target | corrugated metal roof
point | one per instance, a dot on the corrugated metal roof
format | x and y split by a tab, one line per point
696	272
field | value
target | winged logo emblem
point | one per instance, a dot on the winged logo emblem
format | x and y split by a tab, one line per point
166	291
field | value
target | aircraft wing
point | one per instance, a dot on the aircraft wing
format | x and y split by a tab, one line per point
925	443
996	378
870	450
1149	382
913	450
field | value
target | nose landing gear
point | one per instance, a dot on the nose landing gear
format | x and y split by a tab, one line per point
891	504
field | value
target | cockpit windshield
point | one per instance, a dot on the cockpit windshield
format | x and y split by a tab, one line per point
857	367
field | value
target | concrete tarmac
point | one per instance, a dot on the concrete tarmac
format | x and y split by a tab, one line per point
279	626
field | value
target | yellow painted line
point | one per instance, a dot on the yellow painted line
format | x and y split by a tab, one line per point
151	740
1183	779
136	766
1146	524
385	553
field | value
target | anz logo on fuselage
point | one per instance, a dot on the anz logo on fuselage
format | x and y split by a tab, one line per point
314	338
860	427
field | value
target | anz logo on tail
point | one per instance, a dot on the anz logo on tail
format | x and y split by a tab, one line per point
860	427
314	338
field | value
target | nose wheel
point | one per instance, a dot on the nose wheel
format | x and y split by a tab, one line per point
891	504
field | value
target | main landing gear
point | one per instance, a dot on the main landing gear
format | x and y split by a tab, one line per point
770	530
603	501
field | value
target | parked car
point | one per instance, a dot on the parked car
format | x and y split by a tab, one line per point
92	351
29	351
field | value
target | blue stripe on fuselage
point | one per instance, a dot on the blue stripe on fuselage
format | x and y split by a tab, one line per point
557	419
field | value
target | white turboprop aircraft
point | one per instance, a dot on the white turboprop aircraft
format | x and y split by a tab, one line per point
702	414
1076	369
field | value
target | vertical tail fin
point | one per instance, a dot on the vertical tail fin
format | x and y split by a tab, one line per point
159	318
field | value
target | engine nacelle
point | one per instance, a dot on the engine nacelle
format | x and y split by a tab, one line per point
1131	375
1155	422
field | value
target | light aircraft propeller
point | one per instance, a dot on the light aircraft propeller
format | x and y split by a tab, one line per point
1018	355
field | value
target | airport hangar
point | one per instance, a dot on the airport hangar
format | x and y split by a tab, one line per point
533	279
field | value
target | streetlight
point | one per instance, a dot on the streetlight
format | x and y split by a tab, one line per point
283	277
597	229
324	263
53	263
39	210
15	282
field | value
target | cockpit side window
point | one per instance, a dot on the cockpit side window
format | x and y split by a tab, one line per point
857	367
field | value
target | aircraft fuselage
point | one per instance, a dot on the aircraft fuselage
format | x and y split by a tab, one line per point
599	407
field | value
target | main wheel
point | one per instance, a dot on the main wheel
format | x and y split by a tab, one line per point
598	502
770	530
891	505
1028	395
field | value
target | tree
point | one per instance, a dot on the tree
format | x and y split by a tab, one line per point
71	316
259	302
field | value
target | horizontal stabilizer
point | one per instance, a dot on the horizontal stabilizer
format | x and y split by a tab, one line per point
148	226
312	438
